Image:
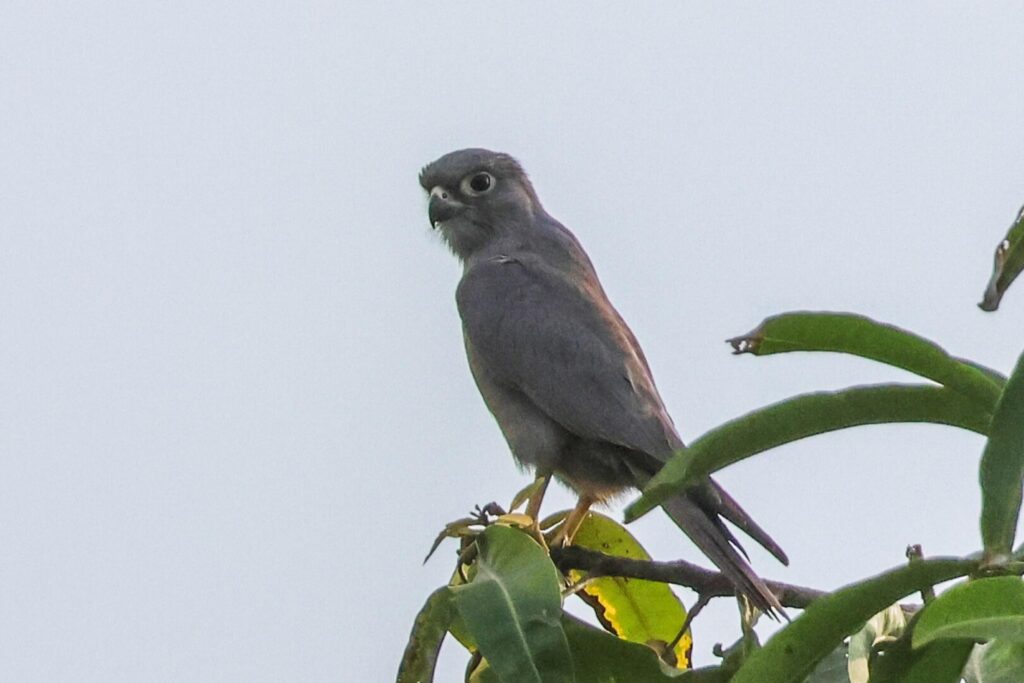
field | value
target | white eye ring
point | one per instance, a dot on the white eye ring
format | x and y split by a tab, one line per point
477	184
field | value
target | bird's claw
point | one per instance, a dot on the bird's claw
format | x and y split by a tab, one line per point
557	538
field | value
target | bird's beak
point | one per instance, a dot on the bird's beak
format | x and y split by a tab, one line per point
442	207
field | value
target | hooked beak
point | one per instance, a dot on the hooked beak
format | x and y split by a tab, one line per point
442	207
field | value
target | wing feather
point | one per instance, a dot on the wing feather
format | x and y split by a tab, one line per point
559	341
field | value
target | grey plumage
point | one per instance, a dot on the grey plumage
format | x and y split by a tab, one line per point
556	364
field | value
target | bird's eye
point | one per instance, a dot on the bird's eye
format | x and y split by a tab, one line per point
477	184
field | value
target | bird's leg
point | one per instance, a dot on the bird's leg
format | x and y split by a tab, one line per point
567	531
533	494
537	489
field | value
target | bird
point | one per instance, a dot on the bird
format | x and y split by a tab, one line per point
557	366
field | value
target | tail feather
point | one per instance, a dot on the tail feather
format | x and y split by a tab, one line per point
705	529
728	507
725	531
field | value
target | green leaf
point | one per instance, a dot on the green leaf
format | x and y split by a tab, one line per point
428	632
803	416
1009	261
995	662
645	612
938	662
457	627
982	609
481	673
513	609
832	669
1002	469
996	376
602	658
861	336
794	652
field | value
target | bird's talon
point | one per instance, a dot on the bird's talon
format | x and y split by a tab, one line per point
557	538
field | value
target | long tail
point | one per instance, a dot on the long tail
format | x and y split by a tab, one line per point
715	498
700	521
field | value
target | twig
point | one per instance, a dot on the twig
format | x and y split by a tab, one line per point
914	554
702	602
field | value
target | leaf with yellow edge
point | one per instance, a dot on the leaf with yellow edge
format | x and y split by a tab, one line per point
640	611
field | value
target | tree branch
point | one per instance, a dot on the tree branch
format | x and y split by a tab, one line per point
704	581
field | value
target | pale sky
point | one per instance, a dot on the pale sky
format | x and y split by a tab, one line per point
234	404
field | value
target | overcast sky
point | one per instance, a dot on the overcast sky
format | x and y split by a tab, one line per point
234	404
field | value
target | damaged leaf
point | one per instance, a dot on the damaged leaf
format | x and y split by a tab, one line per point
428	631
860	336
1007	265
640	611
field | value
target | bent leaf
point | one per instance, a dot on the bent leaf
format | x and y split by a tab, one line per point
803	416
792	653
513	609
982	609
887	625
645	612
1008	263
1002	469
867	338
428	632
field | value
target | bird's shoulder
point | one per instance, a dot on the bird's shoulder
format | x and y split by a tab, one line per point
551	333
522	290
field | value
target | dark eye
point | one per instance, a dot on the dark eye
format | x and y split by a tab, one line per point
481	182
478	183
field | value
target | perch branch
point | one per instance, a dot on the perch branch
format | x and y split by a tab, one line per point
703	581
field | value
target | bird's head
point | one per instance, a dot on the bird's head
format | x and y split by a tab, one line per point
477	196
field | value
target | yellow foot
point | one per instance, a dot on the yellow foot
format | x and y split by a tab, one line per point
566	531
